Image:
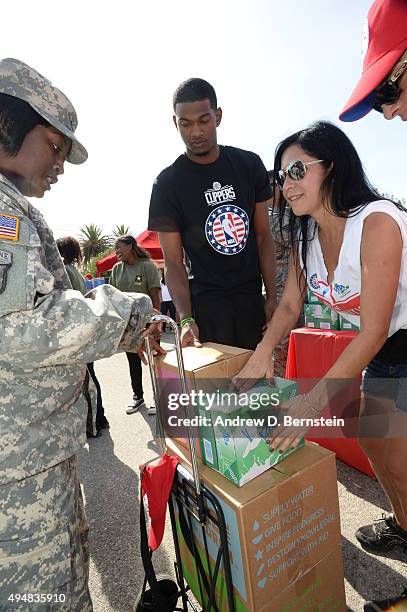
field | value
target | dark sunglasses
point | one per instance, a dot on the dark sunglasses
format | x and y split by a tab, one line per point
296	170
389	90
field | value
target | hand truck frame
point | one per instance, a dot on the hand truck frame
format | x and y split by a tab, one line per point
196	504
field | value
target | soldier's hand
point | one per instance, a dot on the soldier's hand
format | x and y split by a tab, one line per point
154	329
190	335
155	347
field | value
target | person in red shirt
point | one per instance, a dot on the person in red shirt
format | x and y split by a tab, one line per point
383	88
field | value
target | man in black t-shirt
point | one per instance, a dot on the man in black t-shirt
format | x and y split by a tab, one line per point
212	203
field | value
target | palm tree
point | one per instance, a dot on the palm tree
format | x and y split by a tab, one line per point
390	196
121	230
93	241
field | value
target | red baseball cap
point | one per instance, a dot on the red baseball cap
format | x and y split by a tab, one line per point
386	39
156	484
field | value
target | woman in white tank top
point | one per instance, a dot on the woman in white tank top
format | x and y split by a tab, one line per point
350	247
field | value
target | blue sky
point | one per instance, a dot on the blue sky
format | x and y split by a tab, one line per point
276	66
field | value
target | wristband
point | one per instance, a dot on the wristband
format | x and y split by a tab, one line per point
183	322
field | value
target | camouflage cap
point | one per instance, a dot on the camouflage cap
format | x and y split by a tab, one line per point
21	81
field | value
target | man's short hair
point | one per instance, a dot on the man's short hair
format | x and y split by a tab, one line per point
17	118
195	90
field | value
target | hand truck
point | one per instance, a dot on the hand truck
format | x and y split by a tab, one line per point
196	506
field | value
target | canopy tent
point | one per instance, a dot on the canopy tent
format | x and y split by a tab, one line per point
147	240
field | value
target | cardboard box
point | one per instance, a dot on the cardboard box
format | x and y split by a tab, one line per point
283	535
321	588
312	298
233	433
206	369
345	324
320	316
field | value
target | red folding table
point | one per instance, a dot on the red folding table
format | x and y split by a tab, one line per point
311	353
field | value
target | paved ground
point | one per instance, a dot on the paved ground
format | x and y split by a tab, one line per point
109	474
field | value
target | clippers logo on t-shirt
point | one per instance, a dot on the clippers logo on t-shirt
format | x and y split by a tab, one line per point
219	194
227	229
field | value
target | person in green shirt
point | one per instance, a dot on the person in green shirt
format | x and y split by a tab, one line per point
71	254
70	251
135	273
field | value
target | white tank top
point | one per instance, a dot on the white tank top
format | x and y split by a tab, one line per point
343	293
165	294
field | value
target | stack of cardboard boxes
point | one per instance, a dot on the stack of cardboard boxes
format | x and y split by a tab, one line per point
320	316
283	536
281	512
229	429
345	324
233	438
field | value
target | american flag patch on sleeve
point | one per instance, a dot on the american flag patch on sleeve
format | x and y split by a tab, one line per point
9	227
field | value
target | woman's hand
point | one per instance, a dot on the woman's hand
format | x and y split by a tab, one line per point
288	436
260	365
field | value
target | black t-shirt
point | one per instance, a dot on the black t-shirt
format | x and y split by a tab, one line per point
212	206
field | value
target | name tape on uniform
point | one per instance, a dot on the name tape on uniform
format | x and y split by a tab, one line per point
6	259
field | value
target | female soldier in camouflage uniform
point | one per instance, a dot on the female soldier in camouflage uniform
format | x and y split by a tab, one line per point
48	333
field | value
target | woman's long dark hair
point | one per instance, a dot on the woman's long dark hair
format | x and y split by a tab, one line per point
139	251
346	185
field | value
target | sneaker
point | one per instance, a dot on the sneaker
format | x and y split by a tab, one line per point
393	603
151	411
135	405
382	535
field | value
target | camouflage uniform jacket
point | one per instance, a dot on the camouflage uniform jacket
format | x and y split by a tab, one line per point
48	333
